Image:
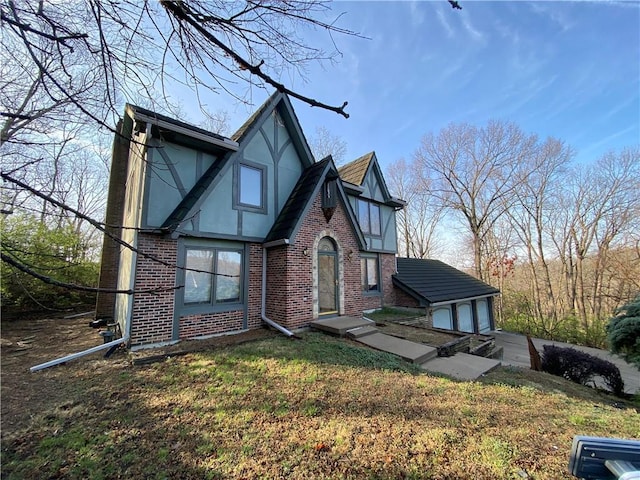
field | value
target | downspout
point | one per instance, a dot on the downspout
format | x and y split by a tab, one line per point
263	311
73	356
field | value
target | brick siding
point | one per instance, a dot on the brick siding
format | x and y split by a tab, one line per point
290	283
152	313
402	299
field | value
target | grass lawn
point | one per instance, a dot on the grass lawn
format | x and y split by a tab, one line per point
313	408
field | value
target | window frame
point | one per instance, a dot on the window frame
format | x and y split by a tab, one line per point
366	227
237	187
364	273
212	305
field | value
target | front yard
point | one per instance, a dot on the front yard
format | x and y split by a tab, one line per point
279	408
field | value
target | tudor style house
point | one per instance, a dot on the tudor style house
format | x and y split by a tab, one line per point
230	232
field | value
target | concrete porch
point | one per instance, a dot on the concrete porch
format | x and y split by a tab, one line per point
461	366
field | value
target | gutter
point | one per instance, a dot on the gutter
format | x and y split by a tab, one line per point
73	356
263	310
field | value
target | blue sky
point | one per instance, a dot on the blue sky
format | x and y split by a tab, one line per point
565	69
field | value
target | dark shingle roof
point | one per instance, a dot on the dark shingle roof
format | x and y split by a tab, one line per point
354	172
242	131
293	209
434	281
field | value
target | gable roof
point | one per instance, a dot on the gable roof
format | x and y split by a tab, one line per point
180	131
299	202
189	205
281	103
433	281
356	172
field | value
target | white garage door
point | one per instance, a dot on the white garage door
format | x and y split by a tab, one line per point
482	307
465	317
442	318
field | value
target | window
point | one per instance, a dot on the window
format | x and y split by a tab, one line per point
250	186
212	276
369	274
369	217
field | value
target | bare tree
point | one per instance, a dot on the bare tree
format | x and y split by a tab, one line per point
67	67
533	209
419	219
474	172
324	143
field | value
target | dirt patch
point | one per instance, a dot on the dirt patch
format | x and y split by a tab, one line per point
26	342
427	336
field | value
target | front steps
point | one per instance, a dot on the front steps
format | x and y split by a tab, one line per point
461	366
409	351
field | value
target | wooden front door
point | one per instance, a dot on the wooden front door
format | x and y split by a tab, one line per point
327	277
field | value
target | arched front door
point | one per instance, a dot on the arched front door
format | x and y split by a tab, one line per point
327	277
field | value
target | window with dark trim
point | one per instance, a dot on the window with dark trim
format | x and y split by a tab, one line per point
212	276
369	217
250	187
370	274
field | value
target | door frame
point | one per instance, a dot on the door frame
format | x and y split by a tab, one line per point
339	272
335	280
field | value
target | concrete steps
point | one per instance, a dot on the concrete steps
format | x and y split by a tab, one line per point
409	351
461	366
340	325
360	332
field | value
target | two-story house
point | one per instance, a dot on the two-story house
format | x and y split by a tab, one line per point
222	234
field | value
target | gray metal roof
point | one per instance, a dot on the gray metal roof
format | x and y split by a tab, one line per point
433	281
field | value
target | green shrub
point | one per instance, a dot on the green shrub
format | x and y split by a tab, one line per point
623	331
57	252
581	367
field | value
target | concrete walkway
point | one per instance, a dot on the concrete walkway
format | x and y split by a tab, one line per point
516	353
461	366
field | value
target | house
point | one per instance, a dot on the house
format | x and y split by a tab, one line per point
453	300
231	232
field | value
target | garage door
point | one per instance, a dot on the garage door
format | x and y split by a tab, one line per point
442	318
483	316
465	317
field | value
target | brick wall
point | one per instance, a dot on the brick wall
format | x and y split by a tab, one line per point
402	299
291	275
210	323
109	264
152	313
254	295
388	262
290	283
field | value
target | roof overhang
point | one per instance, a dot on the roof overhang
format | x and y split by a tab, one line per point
276	243
462	300
219	141
352	188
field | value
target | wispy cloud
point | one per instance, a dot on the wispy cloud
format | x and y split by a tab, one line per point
553	13
619	107
417	14
473	32
444	23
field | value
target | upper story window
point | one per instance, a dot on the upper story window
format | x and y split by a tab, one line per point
251	187
369	217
